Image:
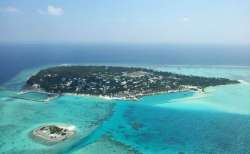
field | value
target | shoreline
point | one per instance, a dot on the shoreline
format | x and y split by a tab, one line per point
244	82
39	134
109	82
133	98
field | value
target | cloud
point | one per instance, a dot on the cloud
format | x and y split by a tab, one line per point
55	11
10	9
42	12
185	19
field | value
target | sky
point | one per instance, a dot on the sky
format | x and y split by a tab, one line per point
125	21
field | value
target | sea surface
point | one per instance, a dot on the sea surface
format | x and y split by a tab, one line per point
217	121
16	57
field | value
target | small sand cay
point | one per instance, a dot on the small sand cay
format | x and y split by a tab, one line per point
54	133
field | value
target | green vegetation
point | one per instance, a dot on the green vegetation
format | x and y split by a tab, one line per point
117	81
55	130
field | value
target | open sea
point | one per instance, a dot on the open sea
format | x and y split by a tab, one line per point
214	122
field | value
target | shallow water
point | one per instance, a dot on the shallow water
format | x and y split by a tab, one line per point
19	117
217	121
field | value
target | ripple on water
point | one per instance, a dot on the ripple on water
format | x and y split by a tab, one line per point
86	113
150	124
107	145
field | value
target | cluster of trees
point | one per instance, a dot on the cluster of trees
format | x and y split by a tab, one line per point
56	130
103	80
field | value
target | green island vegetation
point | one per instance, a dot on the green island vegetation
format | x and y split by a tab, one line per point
119	82
56	130
53	133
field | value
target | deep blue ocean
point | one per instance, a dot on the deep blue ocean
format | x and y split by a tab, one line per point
14	58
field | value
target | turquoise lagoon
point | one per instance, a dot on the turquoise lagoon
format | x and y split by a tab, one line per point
217	121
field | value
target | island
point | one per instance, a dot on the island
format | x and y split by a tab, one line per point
53	133
117	82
